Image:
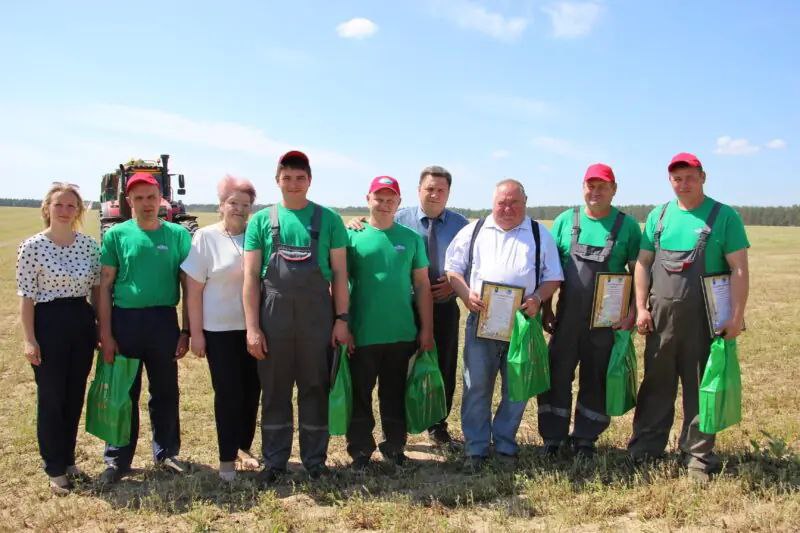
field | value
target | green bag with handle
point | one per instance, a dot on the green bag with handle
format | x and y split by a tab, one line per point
425	399
340	398
621	376
108	405
528	361
721	388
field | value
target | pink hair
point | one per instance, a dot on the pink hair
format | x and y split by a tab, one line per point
231	184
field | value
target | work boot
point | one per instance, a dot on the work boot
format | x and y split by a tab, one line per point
360	463
473	464
270	476
111	475
317	471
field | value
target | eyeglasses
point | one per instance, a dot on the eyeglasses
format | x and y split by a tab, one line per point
65	184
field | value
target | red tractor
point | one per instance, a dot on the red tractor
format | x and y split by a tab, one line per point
114	206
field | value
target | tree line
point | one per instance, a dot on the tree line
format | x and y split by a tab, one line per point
751	215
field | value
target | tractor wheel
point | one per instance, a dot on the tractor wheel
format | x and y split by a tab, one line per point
105	226
190	224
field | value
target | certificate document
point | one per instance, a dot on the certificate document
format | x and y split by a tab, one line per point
612	298
717	295
496	320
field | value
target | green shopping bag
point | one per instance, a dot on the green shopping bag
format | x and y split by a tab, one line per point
425	401
340	398
528	361
621	377
721	388
108	406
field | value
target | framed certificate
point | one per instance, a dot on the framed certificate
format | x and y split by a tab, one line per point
496	320
612	298
717	296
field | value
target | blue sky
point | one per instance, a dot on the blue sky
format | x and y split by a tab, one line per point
535	90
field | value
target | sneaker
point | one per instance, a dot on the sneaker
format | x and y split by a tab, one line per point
269	476
111	475
174	465
360	463
60	485
317	471
473	464
227	471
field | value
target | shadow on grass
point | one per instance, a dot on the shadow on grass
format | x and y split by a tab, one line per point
438	481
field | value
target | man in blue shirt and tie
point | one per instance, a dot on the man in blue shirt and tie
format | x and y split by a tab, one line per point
437	225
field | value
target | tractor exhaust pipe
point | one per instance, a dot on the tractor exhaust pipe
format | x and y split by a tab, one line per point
164	161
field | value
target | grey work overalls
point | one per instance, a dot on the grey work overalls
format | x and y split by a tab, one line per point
297	318
677	348
574	342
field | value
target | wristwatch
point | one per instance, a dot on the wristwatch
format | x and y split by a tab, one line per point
344	317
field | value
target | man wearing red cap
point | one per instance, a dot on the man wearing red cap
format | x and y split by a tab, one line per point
683	240
295	279
592	239
140	286
386	261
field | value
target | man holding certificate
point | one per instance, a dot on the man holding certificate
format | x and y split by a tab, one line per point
496	266
596	243
684	241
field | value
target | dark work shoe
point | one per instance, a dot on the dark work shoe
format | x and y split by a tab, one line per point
506	461
317	471
397	459
586	451
439	436
111	475
550	450
269	476
360	463
473	464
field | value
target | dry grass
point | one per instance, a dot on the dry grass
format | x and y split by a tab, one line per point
758	489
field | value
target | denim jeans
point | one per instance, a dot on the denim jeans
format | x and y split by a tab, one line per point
482	360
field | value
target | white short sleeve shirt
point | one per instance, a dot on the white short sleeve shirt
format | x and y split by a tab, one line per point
215	259
506	257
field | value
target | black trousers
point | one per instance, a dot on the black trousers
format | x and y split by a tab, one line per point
234	376
151	335
388	364
65	331
446	318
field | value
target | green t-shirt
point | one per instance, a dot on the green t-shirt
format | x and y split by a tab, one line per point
681	229
295	226
147	263
594	233
380	263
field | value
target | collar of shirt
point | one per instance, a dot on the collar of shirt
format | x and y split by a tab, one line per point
421	216
490	223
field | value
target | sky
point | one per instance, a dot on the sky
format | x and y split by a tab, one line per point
526	89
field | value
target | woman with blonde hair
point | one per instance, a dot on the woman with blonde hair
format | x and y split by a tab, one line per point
56	270
215	276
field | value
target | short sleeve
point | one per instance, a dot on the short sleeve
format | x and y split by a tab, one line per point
647	242
558	227
634	238
420	256
551	260
458	250
338	233
108	253
196	264
735	234
253	236
27	270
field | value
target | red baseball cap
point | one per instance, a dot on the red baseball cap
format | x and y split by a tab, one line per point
384	182
140	178
293	154
684	157
599	171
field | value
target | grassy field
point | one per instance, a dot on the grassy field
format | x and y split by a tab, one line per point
757	489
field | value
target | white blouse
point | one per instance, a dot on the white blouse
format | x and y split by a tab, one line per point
216	259
46	271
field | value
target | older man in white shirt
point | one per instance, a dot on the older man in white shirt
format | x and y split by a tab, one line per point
511	249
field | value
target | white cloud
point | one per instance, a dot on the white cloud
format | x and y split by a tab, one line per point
508	105
357	28
729	146
563	148
500	154
573	19
776	144
470	15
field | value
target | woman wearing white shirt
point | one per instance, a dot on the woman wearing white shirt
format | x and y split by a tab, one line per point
215	276
56	270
